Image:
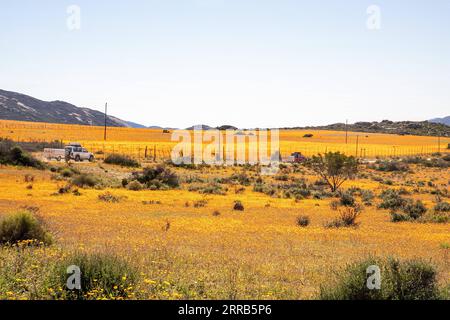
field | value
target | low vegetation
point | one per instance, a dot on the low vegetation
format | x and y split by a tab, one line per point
347	217
23	226
156	178
122	160
11	154
400	280
103	276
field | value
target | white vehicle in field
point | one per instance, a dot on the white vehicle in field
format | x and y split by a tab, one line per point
73	151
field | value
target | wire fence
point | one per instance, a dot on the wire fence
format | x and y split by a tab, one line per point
158	151
154	145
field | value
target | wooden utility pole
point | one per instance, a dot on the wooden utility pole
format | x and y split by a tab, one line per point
357	143
106	117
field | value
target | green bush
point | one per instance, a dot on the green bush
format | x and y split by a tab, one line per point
303	221
399	217
66	173
134	186
122	160
211	188
347	217
156	178
109	197
102	276
442	207
414	209
238	206
14	155
346	199
22	226
85	180
241	178
400	280
391	166
367	197
391	200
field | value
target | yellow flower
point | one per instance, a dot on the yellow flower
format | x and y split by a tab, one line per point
148	281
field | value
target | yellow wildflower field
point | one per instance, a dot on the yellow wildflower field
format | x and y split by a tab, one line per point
192	245
156	142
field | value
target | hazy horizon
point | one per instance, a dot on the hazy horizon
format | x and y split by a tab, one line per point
243	63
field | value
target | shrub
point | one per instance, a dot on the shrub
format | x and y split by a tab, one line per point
85	180
391	166
348	215
391	200
134	186
122	160
14	155
414	209
367	197
66	173
308	135
200	203
241	178
399	217
28	178
298	191
23	226
347	218
212	188
346	199
400	280
102	276
109	197
64	189
334	205
281	177
265	188
238	206
303	221
158	177
442	207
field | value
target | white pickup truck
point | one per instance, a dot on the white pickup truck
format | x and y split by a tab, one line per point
73	151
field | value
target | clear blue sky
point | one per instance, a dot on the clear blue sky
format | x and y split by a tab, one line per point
243	62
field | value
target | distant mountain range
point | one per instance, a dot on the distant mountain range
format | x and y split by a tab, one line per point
445	120
20	107
421	128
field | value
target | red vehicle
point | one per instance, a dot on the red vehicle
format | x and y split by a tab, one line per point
296	157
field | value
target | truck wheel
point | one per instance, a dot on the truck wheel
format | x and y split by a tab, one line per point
58	158
91	159
77	158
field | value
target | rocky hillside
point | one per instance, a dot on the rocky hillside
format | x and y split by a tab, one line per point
445	120
16	106
423	128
